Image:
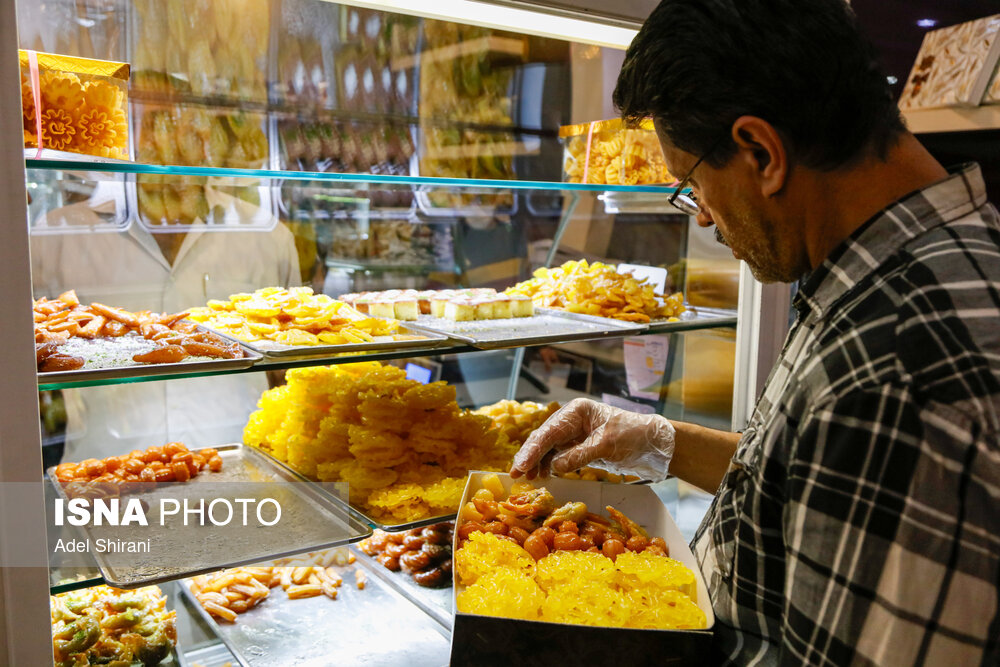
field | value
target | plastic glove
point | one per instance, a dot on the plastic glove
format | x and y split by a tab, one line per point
585	432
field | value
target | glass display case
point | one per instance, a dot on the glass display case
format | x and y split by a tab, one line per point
286	143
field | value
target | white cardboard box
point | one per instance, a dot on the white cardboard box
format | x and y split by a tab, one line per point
484	640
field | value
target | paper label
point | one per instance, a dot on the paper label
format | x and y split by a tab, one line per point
645	365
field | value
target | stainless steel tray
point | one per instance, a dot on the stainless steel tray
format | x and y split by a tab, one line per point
439	603
271	350
546	326
250	357
695	317
316	520
358	513
375	626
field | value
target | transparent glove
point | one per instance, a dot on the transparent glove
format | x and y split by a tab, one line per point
585	432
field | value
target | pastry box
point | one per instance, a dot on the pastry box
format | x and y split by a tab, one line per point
483	639
607	152
79	105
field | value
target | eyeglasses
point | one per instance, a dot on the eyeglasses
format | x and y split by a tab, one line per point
689	203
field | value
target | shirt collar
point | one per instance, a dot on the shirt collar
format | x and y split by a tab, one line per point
878	239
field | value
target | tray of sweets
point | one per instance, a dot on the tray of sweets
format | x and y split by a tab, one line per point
76	342
293	323
437	599
111	359
374	626
545	326
311	518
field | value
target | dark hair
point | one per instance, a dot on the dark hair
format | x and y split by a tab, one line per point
802	65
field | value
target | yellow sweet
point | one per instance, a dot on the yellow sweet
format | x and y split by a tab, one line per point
584	602
618	156
58	129
404	448
564	567
636	570
652	607
85	117
485	552
293	317
638	590
505	592
517	419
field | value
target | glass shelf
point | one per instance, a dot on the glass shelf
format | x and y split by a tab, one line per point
60	584
462	184
402	353
712	319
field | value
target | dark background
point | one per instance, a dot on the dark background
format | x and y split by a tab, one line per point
892	26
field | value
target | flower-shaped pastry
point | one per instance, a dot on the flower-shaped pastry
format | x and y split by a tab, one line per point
102	94
61	90
57	129
96	129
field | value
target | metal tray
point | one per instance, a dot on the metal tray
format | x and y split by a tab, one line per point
274	351
358	513
695	317
439	603
545	326
309	508
250	357
375	626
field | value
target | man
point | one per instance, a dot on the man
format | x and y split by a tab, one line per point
137	270
855	519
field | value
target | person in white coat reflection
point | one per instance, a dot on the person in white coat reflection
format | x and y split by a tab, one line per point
168	272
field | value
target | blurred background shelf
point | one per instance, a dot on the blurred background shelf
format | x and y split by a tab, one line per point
931	121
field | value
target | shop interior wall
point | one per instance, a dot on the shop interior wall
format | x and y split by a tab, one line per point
893	27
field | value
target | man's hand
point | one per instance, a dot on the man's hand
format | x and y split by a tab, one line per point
587	432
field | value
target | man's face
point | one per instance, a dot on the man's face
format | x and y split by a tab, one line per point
730	199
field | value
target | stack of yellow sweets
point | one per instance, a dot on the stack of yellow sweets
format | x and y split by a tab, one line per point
637	590
517	419
598	289
293	316
403	447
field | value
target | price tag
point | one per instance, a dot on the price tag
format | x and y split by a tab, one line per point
645	365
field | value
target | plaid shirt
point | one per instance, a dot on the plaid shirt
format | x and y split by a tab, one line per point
859	521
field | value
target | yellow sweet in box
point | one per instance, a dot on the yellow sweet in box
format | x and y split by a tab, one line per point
637	590
617	155
79	104
403	447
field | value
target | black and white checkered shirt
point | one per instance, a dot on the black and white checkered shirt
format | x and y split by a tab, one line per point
859	522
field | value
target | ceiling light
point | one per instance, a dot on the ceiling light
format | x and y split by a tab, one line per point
927	23
508	18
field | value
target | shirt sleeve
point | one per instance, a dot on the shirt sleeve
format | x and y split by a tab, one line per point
891	534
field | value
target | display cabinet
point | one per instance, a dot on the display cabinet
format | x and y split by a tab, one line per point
300	142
